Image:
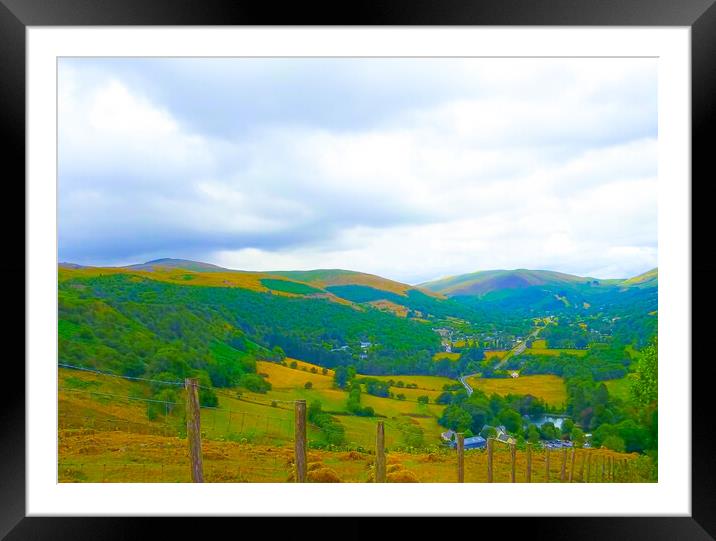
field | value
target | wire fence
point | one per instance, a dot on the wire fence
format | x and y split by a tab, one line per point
111	433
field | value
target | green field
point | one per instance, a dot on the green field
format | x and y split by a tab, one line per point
619	388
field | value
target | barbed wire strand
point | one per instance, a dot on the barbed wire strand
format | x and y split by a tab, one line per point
133	378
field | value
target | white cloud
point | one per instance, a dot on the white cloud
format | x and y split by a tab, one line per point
538	164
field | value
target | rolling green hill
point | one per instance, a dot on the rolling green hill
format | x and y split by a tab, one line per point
167	320
647	279
483	282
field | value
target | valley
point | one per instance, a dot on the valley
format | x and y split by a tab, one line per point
358	349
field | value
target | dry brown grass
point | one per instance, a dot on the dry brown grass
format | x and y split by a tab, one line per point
388	306
549	388
122	457
496	354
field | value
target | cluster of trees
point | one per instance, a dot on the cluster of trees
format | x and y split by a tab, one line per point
375	387
471	413
301	327
634	427
602	363
565	336
353	405
414	300
629	425
332	429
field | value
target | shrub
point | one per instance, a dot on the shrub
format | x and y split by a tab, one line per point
255	383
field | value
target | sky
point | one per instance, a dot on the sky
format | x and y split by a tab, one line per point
409	168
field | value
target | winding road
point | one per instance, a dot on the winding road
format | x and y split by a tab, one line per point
466	384
519	348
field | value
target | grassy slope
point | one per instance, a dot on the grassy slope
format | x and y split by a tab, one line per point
157	459
252	416
106	439
283	377
649	278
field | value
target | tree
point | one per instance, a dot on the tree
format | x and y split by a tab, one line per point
533	434
511	419
308	385
293	364
644	388
444	398
455	418
577	436
278	353
567	426
255	383
423	399
548	431
315	408
340	377
615	443
400	396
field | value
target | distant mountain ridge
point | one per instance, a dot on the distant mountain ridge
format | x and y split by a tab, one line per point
186	264
470	296
311	313
481	283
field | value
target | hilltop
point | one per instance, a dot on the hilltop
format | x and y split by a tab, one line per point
482	282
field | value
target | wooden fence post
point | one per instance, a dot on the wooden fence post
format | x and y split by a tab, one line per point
513	457
581	466
546	462
571	465
589	466
460	457
300	441
489	459
380	453
563	472
603	460
193	429
529	463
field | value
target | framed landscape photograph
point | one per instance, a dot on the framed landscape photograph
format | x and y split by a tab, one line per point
363	270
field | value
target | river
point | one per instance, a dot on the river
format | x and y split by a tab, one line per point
539	420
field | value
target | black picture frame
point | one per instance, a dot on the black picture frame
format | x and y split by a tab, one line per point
699	15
